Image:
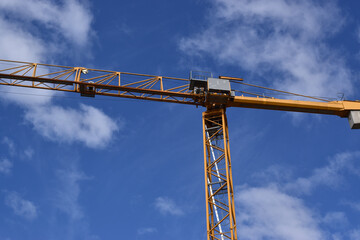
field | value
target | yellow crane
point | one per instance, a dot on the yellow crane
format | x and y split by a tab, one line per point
201	89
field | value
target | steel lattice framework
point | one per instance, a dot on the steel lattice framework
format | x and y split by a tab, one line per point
220	212
90	82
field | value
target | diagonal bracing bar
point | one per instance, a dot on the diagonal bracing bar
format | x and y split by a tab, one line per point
220	211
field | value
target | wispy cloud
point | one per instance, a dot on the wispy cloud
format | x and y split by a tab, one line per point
20	206
335	219
274	173
28	153
283	37
10	144
353	205
5	166
70	212
147	230
331	175
68	193
17	151
355	234
167	206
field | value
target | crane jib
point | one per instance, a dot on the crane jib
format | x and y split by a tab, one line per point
213	93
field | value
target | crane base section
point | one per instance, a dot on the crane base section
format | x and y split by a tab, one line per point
354	119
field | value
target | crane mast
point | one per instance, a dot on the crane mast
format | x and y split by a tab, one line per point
219	190
201	89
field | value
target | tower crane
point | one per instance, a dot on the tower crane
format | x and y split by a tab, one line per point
201	89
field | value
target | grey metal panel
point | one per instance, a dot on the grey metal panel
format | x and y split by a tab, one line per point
217	84
354	119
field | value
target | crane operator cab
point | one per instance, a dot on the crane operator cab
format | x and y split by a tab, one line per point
216	90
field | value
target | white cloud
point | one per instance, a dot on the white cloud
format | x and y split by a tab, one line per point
266	213
353	205
274	173
283	37
5	166
70	18
69	191
10	144
71	214
276	211
88	124
20	206
28	153
18	44
167	206
330	175
335	219
148	230
354	234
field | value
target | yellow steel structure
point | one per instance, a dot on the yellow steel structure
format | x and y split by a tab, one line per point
220	210
90	82
219	190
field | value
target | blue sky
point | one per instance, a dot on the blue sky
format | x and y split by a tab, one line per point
104	168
